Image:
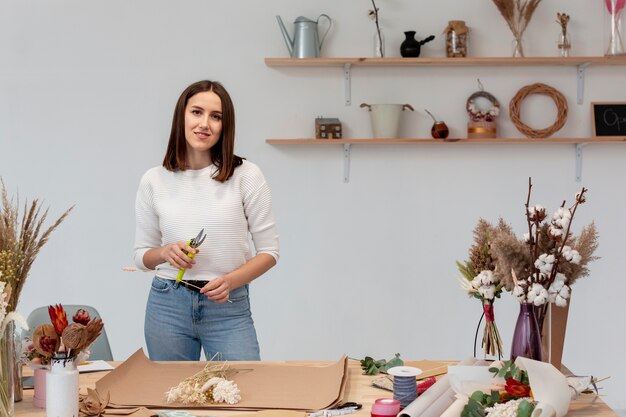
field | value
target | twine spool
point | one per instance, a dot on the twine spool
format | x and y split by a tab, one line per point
404	384
559	101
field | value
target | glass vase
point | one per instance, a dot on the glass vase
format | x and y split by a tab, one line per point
564	45
517	47
379	43
527	336
7	370
613	17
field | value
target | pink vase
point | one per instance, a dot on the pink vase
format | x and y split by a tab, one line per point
39	386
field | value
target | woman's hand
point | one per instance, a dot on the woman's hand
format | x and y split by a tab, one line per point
218	289
176	255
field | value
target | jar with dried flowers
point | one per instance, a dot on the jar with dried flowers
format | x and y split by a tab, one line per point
21	238
613	17
517	14
564	44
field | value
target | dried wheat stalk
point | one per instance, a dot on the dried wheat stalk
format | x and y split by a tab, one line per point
21	241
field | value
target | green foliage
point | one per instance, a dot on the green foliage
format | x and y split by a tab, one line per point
525	409
510	370
473	408
371	366
467	270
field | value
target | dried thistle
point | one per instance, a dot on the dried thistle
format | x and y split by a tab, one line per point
517	14
21	238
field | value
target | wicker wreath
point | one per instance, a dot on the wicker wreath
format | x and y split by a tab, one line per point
559	101
478	115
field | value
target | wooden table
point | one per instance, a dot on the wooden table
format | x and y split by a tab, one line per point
358	389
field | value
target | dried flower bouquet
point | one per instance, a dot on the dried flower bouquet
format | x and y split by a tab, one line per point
210	385
480	281
541	267
517	14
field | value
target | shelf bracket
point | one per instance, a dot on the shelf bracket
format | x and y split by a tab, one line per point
579	161
580	78
346	83
346	162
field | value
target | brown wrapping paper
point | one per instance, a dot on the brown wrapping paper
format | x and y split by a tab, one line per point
141	382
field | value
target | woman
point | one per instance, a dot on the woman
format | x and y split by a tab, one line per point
203	185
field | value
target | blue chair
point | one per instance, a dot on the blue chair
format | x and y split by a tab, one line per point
99	350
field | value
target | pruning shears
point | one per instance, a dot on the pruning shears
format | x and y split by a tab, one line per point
194	243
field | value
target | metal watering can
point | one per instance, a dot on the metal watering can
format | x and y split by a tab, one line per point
306	42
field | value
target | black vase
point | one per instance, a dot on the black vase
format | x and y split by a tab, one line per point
410	48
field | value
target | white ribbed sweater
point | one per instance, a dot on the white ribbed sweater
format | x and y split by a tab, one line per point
175	206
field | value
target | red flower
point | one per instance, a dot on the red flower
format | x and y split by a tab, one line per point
516	388
58	318
81	317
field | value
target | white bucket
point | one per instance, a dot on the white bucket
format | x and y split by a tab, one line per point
386	119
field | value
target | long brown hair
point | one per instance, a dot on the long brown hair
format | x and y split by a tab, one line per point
222	153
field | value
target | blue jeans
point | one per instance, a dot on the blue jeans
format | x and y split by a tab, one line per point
179	322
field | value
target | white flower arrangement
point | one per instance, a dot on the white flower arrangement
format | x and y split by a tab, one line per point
545	283
208	386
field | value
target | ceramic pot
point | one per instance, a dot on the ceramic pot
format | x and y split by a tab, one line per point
39	388
410	47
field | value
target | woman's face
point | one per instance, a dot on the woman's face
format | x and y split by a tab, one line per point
203	121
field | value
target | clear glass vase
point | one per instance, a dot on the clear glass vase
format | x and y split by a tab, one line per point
379	43
613	18
564	45
517	46
7	371
526	336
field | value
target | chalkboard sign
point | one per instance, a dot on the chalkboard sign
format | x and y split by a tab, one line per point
609	119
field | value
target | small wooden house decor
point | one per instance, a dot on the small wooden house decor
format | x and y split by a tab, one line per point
327	128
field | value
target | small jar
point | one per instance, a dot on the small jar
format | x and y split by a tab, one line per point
457	39
62	387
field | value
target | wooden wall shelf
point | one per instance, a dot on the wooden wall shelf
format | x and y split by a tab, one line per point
581	63
578	142
442	61
440	141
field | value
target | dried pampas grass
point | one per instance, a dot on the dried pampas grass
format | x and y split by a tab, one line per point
517	14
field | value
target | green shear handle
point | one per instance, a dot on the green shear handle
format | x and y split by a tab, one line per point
194	243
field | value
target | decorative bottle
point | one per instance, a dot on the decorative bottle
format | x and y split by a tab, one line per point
62	387
526	336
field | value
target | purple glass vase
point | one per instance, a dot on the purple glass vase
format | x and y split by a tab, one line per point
526	337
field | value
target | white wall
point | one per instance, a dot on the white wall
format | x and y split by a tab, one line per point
87	89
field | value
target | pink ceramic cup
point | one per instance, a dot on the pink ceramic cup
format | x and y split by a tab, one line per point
39	386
